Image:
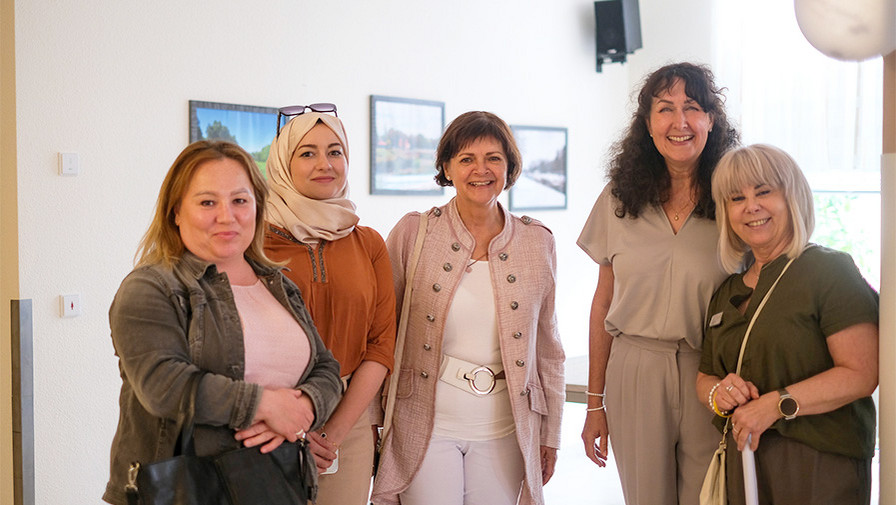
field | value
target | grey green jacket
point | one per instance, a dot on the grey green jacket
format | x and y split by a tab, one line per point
169	324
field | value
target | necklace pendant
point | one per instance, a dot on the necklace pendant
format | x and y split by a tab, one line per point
676	217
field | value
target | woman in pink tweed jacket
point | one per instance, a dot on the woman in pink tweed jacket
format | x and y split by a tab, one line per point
481	389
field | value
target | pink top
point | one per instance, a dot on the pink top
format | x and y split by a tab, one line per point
277	348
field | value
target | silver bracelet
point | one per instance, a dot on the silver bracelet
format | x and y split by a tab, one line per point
594	409
589	393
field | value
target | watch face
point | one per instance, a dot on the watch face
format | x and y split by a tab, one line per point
788	406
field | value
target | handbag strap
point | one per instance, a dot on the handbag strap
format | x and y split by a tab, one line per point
743	345
403	325
768	293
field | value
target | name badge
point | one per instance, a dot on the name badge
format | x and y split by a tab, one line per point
715	320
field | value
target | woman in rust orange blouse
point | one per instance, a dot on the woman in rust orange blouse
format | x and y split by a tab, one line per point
345	276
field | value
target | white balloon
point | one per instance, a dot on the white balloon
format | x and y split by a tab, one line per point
848	29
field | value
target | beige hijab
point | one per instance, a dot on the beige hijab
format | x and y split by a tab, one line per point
307	219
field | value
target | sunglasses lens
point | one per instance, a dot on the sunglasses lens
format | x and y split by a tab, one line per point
323	107
293	110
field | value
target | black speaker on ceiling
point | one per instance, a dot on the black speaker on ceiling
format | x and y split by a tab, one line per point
618	30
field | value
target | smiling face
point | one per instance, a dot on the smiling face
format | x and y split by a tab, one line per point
679	127
478	172
216	216
759	215
318	165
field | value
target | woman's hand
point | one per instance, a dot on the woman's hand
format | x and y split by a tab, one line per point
548	461
283	412
733	392
258	434
595	435
753	418
323	450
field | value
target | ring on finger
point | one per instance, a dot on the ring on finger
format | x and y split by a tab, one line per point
300	434
729	387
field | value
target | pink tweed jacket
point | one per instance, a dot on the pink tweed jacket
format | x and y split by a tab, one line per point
522	263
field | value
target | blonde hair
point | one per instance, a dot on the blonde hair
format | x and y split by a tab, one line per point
161	244
752	166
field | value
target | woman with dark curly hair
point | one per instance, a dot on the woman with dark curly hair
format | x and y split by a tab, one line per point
652	232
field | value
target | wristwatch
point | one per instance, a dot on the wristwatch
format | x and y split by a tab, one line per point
787	405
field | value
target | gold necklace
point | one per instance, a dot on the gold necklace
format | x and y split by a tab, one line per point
470	265
686	205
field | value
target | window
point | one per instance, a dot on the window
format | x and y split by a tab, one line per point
826	113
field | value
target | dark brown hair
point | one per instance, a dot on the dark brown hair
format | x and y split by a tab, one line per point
638	173
470	127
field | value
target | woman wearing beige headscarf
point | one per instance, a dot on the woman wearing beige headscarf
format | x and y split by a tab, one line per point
345	276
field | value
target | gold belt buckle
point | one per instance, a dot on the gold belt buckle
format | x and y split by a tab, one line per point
471	378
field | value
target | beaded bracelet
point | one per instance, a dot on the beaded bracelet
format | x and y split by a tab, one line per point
711	393
589	393
712	402
595	409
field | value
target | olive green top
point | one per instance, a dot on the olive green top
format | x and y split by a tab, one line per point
821	294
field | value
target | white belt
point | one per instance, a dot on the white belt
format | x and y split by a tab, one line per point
472	378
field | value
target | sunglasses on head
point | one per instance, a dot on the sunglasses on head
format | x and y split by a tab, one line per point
298	110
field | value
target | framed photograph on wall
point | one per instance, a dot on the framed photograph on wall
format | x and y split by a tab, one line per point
249	126
404	134
542	182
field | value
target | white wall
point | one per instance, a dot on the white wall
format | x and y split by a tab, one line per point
110	80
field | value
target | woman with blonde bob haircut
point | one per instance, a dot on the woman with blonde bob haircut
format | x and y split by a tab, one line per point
790	348
756	165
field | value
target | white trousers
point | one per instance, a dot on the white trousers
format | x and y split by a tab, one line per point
462	472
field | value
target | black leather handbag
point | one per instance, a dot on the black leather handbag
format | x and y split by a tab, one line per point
245	476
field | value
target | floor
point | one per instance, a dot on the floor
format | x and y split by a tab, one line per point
577	480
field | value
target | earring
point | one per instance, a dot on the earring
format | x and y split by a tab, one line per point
448	177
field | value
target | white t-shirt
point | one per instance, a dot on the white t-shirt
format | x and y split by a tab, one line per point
471	334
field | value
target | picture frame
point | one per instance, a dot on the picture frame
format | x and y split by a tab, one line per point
543	178
404	134
251	127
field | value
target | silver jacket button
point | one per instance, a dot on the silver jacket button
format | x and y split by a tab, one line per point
520	362
455	247
437	211
503	256
424	375
427	347
517	335
430	318
514	305
437	287
447	267
511	278
526	219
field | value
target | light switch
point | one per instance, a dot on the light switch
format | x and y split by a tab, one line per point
70	305
69	164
